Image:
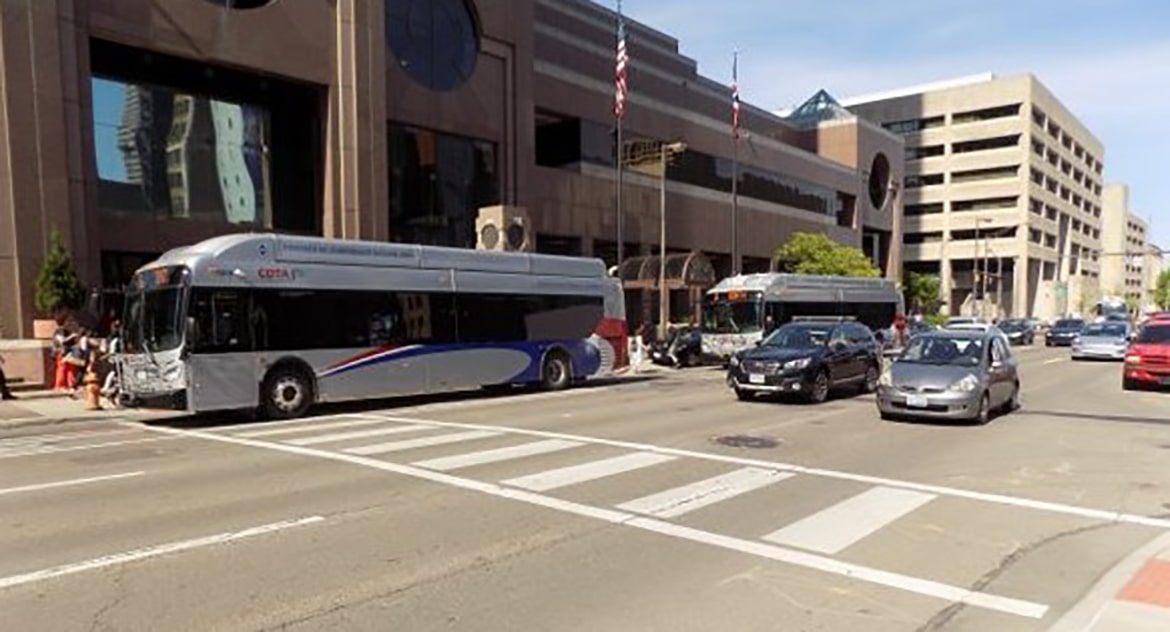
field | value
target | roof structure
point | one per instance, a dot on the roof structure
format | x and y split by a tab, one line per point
819	107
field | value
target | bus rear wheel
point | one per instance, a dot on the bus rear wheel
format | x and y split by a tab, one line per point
287	393
557	373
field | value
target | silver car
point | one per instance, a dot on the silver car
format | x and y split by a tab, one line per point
1102	341
960	375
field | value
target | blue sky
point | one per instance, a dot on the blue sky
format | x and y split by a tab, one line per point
1108	61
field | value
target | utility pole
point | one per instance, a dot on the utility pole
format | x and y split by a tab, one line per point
998	284
668	149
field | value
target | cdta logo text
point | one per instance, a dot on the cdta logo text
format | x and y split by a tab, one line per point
276	273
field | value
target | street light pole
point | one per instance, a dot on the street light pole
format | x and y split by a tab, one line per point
668	149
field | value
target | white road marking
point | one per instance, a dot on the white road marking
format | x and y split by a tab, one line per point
356	434
25	441
1053	361
680	500
855	572
574	474
152	551
93	446
834	529
329	425
941	490
422	442
307	422
68	483
447	463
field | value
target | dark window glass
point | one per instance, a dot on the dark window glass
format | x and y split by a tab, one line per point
179	140
710	172
438	182
509	317
221	321
435	41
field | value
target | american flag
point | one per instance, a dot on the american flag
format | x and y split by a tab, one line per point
735	96
620	90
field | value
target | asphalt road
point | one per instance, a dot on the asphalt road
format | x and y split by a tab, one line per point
655	504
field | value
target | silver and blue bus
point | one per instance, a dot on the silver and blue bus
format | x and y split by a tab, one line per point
741	310
278	323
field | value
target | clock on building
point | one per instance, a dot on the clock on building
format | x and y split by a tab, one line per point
435	41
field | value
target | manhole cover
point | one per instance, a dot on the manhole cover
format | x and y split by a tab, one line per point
746	441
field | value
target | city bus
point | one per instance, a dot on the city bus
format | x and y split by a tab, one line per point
740	310
278	323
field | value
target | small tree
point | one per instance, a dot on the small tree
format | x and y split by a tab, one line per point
922	291
58	287
815	253
1162	290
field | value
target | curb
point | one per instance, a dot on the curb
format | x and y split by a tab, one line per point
32	422
1082	616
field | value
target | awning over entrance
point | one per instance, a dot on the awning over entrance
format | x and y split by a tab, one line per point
683	270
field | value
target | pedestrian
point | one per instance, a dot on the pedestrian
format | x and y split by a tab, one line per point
63	342
900	330
5	393
76	360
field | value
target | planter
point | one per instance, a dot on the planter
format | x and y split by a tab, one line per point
44	328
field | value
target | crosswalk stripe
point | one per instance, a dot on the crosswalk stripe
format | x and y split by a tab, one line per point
484	457
833	529
685	499
422	442
356	434
327	425
565	476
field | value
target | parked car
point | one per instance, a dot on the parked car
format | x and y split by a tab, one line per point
682	348
1147	362
1105	341
1018	331
808	358
959	375
1063	332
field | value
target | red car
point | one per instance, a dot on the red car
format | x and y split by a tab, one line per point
1147	361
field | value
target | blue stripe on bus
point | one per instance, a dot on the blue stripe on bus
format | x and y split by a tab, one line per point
584	357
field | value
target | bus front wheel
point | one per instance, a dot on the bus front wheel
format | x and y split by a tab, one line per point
287	393
557	373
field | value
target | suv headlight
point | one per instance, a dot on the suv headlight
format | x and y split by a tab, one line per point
797	364
965	385
887	377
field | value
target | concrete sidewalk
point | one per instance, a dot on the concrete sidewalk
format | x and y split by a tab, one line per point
35	408
1132	597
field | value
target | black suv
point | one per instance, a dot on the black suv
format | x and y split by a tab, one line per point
808	358
1063	332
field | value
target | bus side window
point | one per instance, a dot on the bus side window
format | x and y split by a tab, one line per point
220	326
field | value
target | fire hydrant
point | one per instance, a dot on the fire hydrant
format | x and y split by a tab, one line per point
93	390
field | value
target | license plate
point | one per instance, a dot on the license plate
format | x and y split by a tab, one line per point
756	379
916	401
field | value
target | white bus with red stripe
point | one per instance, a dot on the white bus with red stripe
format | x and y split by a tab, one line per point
280	322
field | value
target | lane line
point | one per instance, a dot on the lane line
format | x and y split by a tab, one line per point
68	483
422	442
93	446
357	434
1053	361
687	498
483	457
941	490
846	523
24	441
856	572
593	470
152	551
274	432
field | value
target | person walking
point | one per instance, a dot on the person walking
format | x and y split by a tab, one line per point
5	393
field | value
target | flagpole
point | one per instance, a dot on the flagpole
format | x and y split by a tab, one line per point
619	155
735	166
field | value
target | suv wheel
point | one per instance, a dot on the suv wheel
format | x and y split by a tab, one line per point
819	389
872	375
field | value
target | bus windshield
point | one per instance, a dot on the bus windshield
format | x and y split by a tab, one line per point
154	312
732	317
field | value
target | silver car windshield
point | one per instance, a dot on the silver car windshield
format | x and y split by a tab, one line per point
938	350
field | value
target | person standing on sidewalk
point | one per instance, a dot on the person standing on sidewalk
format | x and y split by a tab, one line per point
5	393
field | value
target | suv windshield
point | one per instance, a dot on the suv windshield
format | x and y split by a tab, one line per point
1069	323
1155	334
1105	329
799	336
1013	325
941	350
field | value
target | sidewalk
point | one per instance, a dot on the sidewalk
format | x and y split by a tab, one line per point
1132	597
36	408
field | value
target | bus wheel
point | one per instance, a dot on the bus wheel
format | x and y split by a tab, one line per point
287	393
557	374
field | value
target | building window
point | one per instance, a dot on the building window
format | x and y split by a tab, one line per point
984	204
714	173
438	182
927	151
914	125
923	180
991	173
985	144
986	114
565	140
242	4
435	41
178	140
922	209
